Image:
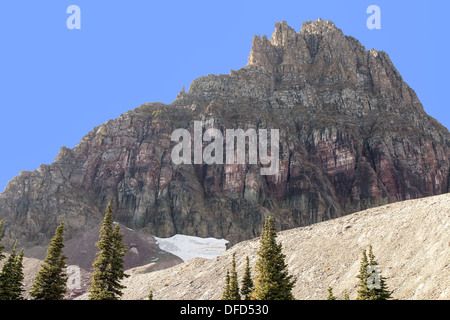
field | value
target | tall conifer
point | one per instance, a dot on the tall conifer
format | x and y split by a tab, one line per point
231	289
363	276
108	266
247	282
272	280
372	285
11	276
234	285
2	248
226	289
379	291
18	278
51	281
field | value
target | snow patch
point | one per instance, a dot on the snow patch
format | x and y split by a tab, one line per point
188	247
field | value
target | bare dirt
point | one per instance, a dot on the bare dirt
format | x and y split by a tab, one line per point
410	239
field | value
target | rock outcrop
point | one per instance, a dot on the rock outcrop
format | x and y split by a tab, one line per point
353	135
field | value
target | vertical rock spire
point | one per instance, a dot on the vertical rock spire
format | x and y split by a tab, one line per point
283	35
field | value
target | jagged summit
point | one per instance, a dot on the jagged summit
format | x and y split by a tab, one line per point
284	34
320	27
317	42
285	38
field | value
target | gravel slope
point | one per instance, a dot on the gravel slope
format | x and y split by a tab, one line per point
410	239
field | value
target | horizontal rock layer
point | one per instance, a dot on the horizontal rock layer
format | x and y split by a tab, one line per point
353	135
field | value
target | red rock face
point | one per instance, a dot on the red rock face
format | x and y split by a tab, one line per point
353	135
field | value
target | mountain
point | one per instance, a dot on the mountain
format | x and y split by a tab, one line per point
410	241
352	135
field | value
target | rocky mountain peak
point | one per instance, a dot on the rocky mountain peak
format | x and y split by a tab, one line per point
283	35
353	135
302	46
319	27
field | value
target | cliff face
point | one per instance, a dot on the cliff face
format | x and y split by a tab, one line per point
353	135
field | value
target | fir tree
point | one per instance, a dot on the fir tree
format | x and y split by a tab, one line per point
18	278
117	268
363	276
379	291
6	275
2	248
247	282
226	289
11	277
330	294
372	285
272	281
51	281
102	264
108	266
234	285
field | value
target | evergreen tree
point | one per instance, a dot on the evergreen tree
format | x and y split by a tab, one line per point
6	275
247	282
372	285
234	285
330	294
117	267
51	281
11	277
378	291
150	295
2	248
272	281
363	276
100	278
226	289
108	266
18	278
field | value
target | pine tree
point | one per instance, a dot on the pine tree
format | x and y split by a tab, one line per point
234	285
2	248
247	282
226	289
380	291
363	276
18	278
330	294
51	281
6	275
272	281
108	266
117	263
372	285
11	277
150	295
100	278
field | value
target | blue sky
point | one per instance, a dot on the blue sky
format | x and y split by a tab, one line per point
57	84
